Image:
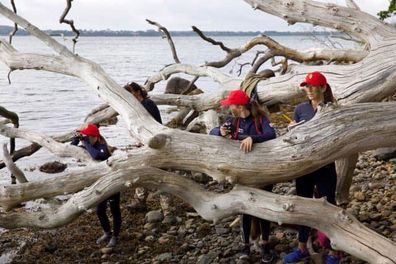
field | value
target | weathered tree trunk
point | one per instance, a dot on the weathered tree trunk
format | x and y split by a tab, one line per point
345	168
342	228
335	132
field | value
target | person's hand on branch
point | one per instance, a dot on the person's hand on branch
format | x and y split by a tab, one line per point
246	145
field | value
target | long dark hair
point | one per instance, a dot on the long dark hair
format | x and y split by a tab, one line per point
257	112
328	95
103	141
134	87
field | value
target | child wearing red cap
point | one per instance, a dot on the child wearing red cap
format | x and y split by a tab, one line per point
98	148
249	124
318	92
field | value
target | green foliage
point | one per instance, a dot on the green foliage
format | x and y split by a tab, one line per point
388	13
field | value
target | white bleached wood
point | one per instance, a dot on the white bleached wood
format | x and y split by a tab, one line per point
62	150
345	168
139	122
352	4
332	135
12	167
342	228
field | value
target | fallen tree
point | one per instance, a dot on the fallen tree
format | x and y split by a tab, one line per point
339	131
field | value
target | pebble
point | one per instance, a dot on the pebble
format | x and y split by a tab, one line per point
149	238
204	259
359	196
163	240
106	250
222	230
154	216
164	257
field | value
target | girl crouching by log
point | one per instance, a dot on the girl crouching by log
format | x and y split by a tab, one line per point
325	179
249	124
98	148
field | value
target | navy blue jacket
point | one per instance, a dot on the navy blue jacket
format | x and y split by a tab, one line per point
247	127
304	111
97	151
152	108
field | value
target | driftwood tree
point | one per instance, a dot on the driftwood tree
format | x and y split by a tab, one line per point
340	131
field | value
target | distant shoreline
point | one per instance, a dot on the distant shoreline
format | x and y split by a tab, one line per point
5	30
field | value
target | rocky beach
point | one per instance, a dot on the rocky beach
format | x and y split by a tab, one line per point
145	239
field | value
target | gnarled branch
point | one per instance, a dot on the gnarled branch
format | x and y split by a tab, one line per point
47	142
165	31
12	33
63	19
342	228
15	171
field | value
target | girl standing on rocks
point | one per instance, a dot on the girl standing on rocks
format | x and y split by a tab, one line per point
249	124
97	147
138	204
324	179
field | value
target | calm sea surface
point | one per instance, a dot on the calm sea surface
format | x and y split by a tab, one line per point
53	103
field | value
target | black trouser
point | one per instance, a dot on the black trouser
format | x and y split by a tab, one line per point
246	223
325	181
114	202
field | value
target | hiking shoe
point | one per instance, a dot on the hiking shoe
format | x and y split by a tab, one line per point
331	259
112	242
266	255
245	253
104	238
295	256
137	206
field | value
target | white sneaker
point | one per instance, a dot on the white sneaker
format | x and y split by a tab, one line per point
112	242
104	238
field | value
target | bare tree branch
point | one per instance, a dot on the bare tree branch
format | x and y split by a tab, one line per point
31	149
47	142
69	22
13	117
207	71
15	24
263	59
279	50
167	36
210	40
352	4
357	23
241	65
133	113
60	49
18	174
341	227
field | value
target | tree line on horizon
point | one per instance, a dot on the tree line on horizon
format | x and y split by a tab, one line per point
5	30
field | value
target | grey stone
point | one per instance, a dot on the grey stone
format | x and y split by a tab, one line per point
154	216
222	230
149	238
106	250
204	259
164	257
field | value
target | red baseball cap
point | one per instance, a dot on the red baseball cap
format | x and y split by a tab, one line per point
90	130
314	79
236	97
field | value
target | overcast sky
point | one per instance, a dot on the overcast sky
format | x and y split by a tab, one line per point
233	15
